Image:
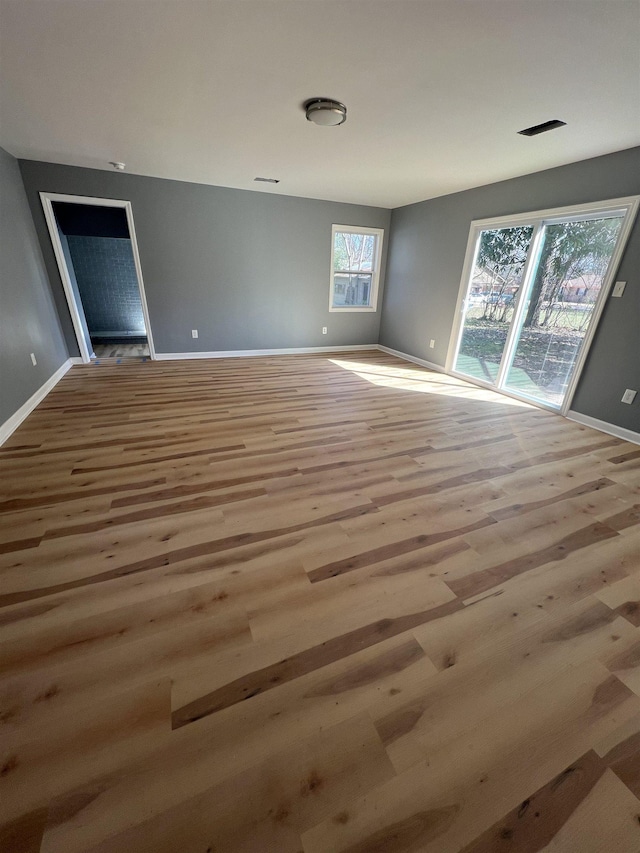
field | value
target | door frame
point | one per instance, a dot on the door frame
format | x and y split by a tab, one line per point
47	200
537	219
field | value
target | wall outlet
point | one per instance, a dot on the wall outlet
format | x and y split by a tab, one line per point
618	288
33	359
629	395
194	333
324	330
432	343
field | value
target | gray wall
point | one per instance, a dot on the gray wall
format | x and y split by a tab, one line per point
249	270
108	284
426	255
28	320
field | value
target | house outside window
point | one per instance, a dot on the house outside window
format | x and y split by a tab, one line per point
356	253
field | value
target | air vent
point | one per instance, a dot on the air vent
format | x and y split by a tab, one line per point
268	180
542	128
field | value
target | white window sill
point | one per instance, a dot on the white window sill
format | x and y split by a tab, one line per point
353	309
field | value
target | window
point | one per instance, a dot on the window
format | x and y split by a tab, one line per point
355	268
532	292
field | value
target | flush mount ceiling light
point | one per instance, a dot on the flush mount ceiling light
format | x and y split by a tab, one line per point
325	112
117	165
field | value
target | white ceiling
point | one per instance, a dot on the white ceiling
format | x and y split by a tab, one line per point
210	91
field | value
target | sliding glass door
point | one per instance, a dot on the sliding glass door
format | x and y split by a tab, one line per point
489	305
533	291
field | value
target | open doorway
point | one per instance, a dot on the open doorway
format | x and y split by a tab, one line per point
95	247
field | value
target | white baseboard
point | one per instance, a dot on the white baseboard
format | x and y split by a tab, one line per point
11	425
404	355
603	426
248	353
129	334
586	420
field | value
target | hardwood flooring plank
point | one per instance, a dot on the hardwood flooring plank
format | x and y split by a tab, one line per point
489	578
154	460
62	497
239	738
625	457
519	659
584	572
186	490
537	823
378	555
248	811
179	555
24	834
624	661
520	509
624	761
304	662
437	803
119	626
109	734
607	819
625	519
175	508
19	544
537	820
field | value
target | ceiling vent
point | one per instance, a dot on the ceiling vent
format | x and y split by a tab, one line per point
542	128
268	180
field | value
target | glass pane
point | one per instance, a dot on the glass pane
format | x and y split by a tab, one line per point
354	252
569	275
488	311
351	290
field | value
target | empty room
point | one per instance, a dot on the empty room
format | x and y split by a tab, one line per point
319	426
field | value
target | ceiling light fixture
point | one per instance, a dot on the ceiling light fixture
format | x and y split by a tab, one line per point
325	112
117	165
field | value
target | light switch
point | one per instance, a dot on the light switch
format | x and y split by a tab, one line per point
629	395
618	288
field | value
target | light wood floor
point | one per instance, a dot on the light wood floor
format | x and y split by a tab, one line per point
121	350
307	604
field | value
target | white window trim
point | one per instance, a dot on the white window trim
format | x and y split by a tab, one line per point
375	277
626	206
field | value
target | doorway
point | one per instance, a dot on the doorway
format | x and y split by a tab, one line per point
533	289
95	247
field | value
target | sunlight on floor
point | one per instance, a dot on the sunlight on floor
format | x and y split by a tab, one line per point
425	382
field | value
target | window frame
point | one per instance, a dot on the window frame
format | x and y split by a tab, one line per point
538	219
375	272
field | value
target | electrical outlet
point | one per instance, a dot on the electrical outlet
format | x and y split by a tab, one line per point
629	395
432	343
324	330
194	333
33	359
618	288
